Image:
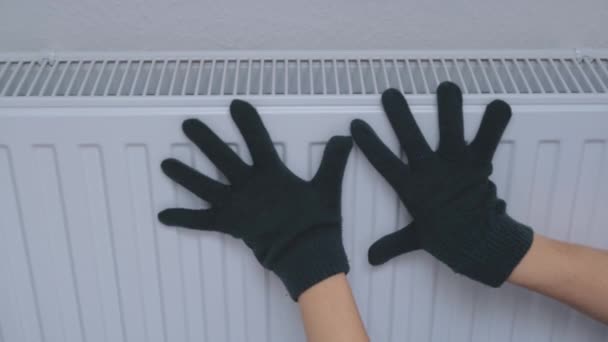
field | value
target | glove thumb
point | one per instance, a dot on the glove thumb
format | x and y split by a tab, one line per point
389	246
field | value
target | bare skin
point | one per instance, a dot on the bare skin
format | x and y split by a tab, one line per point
573	274
329	312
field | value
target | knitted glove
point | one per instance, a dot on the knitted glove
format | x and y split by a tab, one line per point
292	226
457	216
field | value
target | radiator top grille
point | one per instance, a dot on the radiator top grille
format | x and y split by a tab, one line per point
124	76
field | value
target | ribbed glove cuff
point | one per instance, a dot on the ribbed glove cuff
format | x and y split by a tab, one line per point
312	258
492	260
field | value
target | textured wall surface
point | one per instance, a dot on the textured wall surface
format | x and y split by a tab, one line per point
311	24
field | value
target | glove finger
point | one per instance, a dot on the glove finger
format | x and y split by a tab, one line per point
255	134
218	151
379	155
493	124
404	124
199	184
451	127
202	219
389	246
330	173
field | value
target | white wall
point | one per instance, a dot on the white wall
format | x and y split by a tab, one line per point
306	24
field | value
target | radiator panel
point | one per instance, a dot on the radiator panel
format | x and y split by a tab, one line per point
82	256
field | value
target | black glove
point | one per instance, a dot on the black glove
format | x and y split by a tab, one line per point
293	226
457	216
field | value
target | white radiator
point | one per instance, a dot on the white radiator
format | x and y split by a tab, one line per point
83	258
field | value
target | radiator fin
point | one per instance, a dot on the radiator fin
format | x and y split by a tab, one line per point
188	76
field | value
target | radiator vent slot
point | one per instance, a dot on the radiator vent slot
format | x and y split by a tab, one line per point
187	76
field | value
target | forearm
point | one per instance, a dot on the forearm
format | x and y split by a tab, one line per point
573	274
329	312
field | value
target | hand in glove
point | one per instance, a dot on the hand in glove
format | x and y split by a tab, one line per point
292	226
457	216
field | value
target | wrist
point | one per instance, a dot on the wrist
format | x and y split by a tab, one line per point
312	258
323	287
544	266
329	312
567	272
526	268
